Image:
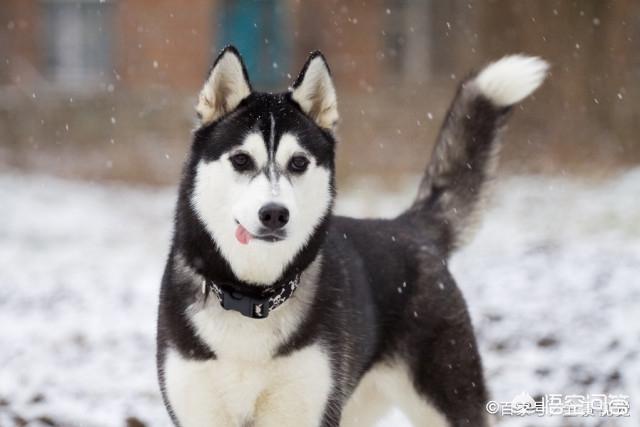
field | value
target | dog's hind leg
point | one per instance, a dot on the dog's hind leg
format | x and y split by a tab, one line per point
368	403
444	387
387	385
440	353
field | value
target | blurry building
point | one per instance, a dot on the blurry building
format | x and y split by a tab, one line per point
112	82
88	44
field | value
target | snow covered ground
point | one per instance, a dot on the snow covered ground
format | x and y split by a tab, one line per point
552	279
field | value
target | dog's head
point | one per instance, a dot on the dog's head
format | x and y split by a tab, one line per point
263	165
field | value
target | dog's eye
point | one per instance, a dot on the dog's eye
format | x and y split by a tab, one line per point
298	164
241	162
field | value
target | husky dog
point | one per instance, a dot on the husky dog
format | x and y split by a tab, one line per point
274	312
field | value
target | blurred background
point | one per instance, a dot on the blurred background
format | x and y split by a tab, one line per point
96	112
105	89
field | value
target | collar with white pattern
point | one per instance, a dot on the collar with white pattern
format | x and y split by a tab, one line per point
256	305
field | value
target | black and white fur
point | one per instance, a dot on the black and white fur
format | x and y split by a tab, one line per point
377	320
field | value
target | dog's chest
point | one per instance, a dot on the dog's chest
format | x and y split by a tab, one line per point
235	337
247	381
290	390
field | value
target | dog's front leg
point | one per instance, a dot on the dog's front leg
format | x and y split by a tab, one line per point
194	393
278	411
299	391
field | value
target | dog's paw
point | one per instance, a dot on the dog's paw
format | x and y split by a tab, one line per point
511	79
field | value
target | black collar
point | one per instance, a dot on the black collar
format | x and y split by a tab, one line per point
256	304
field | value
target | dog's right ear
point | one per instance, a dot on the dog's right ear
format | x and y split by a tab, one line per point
314	92
226	86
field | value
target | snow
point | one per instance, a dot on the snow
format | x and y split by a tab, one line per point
551	279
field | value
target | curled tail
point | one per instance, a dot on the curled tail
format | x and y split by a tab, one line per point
465	154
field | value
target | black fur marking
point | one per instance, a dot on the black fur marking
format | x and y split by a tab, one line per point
253	114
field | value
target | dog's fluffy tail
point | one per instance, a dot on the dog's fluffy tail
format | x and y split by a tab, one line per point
465	154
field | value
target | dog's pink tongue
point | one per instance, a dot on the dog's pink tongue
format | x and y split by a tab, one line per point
242	235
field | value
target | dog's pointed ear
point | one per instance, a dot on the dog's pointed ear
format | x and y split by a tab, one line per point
226	86
314	92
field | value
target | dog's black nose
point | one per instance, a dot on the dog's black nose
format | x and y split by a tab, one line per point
274	216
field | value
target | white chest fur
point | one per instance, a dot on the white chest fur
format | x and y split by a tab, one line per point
246	384
285	391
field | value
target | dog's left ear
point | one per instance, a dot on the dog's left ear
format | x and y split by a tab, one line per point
313	90
226	86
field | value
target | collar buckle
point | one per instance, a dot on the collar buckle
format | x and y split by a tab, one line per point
254	308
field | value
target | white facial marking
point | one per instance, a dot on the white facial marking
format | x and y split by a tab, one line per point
254	146
223	197
275	188
287	148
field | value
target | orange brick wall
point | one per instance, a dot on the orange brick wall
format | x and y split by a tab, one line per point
164	43
20	33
